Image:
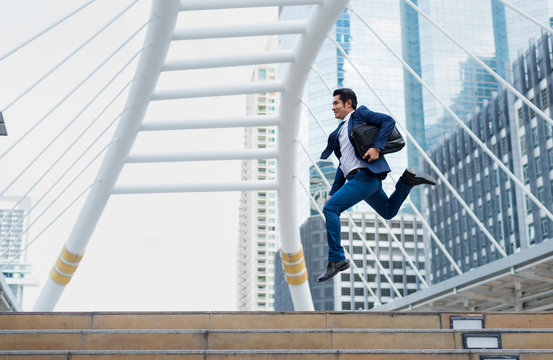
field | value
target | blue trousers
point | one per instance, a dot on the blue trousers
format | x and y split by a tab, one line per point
364	185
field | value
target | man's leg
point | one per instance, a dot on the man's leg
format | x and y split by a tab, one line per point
360	187
388	207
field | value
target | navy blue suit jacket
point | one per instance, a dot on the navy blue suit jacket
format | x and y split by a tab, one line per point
361	115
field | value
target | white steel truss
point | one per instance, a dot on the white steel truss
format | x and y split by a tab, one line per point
161	31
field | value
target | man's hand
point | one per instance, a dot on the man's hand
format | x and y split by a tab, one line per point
328	198
372	154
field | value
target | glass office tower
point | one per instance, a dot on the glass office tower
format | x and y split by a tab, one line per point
494	33
522	30
447	69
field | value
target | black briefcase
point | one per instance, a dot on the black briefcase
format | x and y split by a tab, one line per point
363	137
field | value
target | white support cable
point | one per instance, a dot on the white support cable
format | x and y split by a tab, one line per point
350	258
315	117
461	123
77	159
42	32
352	223
57	66
58	135
48	226
532	19
322	78
73	91
519	95
60	194
433	234
417	212
77	138
59	179
424	155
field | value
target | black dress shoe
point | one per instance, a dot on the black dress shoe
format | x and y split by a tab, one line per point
333	268
411	178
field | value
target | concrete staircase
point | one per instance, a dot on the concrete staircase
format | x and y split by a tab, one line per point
268	335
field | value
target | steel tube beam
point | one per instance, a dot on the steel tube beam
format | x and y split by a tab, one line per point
248	121
321	20
206	91
187	5
253	185
216	32
267	57
245	154
156	44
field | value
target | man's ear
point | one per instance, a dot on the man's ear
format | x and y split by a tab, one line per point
348	102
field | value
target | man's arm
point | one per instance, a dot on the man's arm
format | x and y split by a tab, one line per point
385	122
339	180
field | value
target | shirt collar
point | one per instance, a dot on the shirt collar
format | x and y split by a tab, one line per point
347	117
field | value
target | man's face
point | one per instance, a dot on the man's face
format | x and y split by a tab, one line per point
340	109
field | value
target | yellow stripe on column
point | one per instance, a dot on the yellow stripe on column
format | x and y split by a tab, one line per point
297	280
69	256
294	268
59	278
65	267
291	258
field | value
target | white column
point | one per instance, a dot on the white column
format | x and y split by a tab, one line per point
320	22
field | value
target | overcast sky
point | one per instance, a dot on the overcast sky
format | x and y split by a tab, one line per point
149	252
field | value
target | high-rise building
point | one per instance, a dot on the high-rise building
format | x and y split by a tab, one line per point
258	224
533	76
13	240
346	291
524	144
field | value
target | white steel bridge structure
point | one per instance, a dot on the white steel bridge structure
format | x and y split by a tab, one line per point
516	282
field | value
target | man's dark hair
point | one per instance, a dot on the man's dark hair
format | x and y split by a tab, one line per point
345	95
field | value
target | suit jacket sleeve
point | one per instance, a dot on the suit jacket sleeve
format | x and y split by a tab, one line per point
339	180
385	122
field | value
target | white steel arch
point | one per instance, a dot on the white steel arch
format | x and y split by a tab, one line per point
323	18
161	31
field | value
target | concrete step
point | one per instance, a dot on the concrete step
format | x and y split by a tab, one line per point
219	320
327	339
505	320
377	354
265	320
